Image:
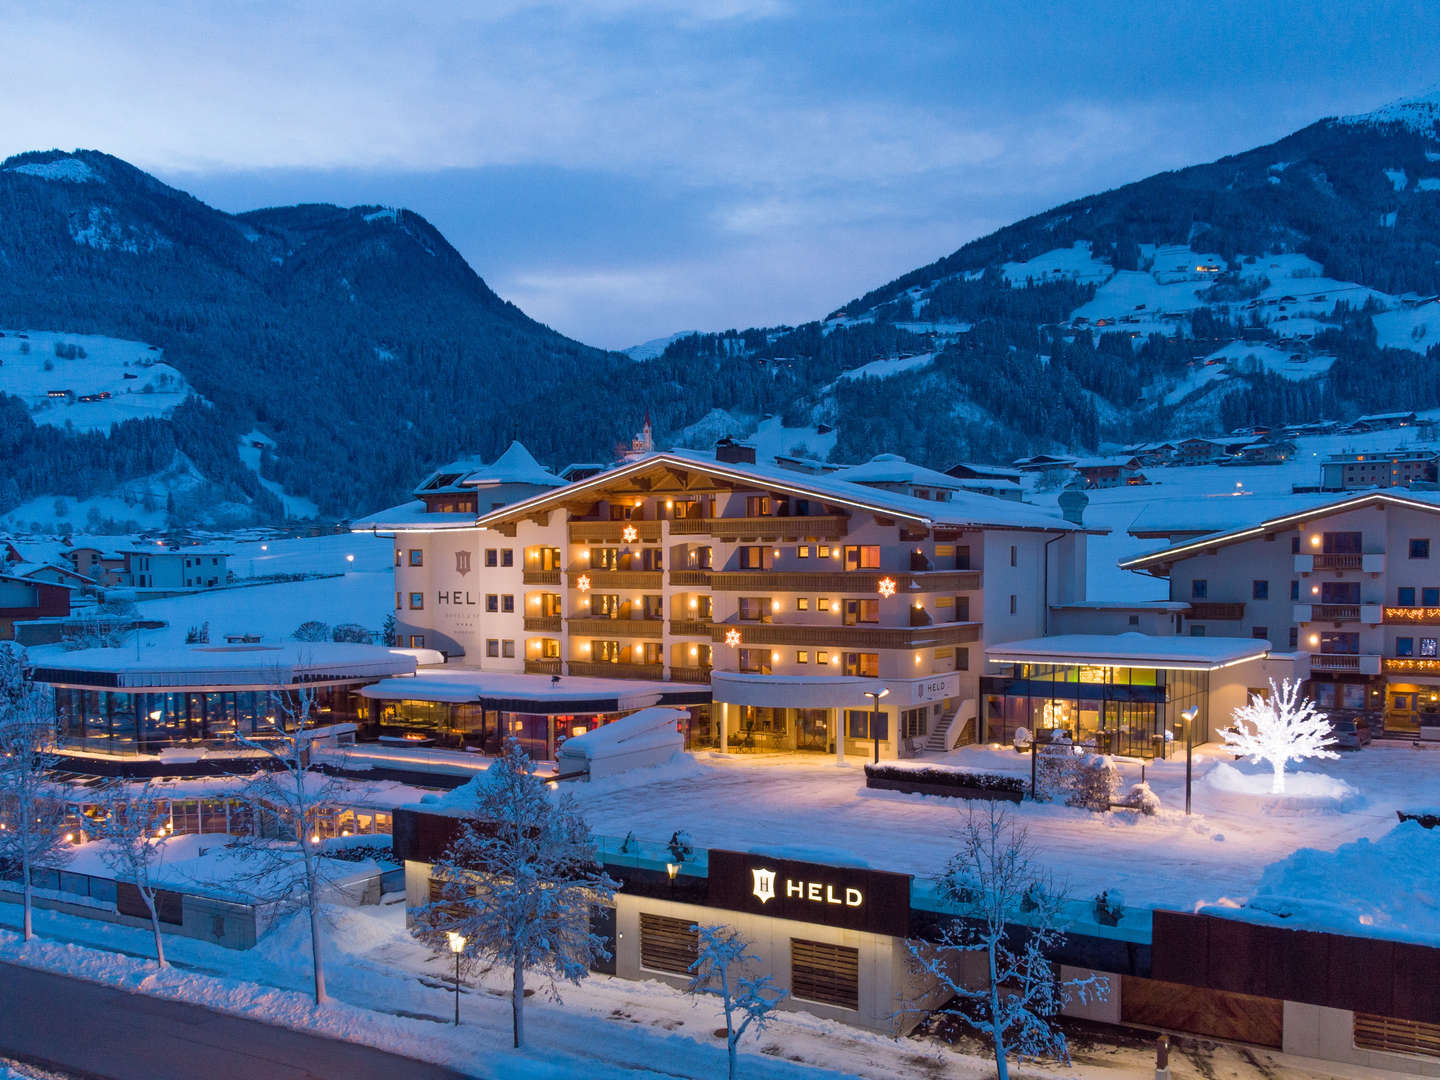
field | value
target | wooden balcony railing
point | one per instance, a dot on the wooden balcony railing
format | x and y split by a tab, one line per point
819	526
1363	663
619	579
690	674
850	638
857	581
690	627
540	577
1200	609
617	628
542	624
693	578
613	532
1335	612
1339	562
542	667
616	671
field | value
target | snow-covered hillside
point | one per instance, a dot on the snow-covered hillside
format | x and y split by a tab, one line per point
252	445
117	379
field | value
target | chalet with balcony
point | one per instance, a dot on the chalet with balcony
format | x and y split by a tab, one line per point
1377	469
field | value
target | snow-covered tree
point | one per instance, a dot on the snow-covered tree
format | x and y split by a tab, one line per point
519	882
284	863
32	810
1285	728
994	881
719	970
135	829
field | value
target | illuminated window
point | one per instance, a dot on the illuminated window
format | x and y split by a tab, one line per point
803	551
802	603
802	656
822	604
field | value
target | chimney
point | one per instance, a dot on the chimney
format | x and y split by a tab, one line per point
734	453
1073	502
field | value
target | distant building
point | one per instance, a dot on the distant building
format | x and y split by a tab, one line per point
1383	421
1269	452
1106	472
1199	451
1043	463
176	568
642	444
1151	454
28	598
891	472
1394	468
997	480
101	567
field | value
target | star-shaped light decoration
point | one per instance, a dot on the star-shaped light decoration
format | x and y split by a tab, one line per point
732	637
887	586
583	583
629	534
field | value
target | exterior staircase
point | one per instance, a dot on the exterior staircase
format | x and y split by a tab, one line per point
948	732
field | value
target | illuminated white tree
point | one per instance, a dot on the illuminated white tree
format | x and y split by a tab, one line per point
1285	728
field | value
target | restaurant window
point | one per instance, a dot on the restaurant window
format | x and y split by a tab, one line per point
866	665
417	601
417	557
1260	590
862	611
862	557
828	974
1405	597
666	944
1199	589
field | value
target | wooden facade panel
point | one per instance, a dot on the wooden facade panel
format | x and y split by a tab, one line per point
1217	1013
1179	952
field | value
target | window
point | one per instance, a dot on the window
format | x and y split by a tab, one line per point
865	664
1294	636
1013	604
1420	549
1196	630
1336	643
858	724
1260	590
398	604
1260	632
602	558
668	944
417	641
1199	589
492	602
915	723
822	657
962	659
1341	543
755	660
417	601
861	611
605	606
864	557
802	656
492	647
417	557
759	506
802	603
803	551
754	609
1404	646
1134	620
492	557
507	649
507	557
822	604
607	651
1014	555
823	551
829	974
1430	597
1405	597
507	603
755	558
1295	545
1428	647
1294	590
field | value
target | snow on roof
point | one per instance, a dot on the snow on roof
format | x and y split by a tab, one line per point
1122	605
1405	497
194	550
1370	417
412	517
30	569
458	685
1213	513
41	581
1130	650
894	469
1116	462
179	666
998	472
965	509
515	466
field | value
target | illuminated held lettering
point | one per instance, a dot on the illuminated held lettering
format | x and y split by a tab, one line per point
813	895
852	898
794	888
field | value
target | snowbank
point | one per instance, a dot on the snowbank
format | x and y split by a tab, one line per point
1225	787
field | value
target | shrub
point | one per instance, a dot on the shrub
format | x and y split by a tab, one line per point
312	630
943	777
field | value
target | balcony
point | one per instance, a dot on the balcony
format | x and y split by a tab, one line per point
610	628
690	627
1369	563
602	670
542	667
1355	663
690	674
699	578
1338	613
850	638
1406	665
613	532
818	526
1202	610
619	579
857	581
1412	616
542	624
540	577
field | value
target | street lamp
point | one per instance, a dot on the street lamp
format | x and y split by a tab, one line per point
875	696
457	946
672	869
1188	715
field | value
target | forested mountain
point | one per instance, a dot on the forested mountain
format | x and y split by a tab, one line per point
1289	282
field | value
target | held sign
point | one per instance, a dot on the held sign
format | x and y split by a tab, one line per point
850	897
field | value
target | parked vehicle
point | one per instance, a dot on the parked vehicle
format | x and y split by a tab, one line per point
1350	732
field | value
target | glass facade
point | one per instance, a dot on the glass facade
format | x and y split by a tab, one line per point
1134	712
121	722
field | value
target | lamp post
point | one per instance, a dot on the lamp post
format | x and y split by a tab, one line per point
457	946
1188	715
672	869
875	696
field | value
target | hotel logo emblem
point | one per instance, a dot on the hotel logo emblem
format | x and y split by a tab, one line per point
462	562
764	884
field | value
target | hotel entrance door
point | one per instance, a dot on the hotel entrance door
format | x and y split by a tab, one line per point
812	729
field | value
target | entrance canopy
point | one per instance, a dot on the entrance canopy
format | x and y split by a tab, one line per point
514	692
793	691
1132	651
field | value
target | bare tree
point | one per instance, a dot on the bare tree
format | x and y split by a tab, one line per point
1285	728
519	883
746	1000
32	806
135	830
994	881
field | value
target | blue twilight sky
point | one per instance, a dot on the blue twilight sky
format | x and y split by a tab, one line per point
623	169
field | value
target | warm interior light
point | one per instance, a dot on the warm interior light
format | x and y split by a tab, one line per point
694	603
1314	639
774	605
585	646
774	657
694	650
1314	590
1314	541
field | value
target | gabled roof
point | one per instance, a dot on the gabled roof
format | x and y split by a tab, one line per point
894	469
964	510
41	581
1398	497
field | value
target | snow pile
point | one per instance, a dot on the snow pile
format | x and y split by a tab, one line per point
648	737
1225	787
1374	888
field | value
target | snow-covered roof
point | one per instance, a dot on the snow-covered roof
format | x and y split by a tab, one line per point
971	470
1131	650
1117	462
412	517
32	570
502	689
965	509
41	581
894	469
1383	417
1123	605
194	666
1212	514
193	551
794	691
515	466
1399	497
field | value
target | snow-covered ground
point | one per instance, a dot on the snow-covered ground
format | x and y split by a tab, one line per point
30	370
250	450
